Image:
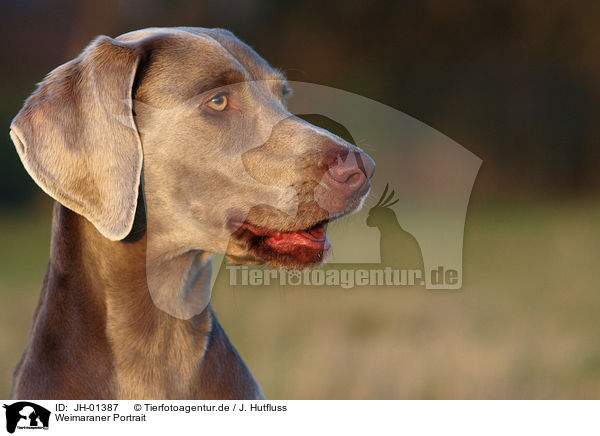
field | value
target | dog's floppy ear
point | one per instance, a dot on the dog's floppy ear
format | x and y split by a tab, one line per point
77	137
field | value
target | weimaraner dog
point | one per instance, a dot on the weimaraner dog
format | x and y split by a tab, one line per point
140	141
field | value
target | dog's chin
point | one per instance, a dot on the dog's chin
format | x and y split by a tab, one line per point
282	249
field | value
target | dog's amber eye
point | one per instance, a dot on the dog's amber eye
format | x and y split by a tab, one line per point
218	103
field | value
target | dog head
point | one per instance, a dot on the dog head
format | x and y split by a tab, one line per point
201	120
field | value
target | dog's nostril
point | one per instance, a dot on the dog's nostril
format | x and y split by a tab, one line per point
351	169
342	174
355	178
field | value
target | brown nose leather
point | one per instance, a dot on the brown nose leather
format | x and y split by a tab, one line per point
348	171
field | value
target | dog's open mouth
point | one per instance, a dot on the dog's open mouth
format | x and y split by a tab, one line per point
286	242
292	249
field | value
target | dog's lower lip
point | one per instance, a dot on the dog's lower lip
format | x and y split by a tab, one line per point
313	238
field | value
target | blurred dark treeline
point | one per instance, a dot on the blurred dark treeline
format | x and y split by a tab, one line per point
516	82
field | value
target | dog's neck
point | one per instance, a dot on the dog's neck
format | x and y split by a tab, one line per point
155	355
97	333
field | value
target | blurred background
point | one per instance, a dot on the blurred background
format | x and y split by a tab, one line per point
517	83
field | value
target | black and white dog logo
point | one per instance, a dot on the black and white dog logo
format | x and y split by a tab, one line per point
26	415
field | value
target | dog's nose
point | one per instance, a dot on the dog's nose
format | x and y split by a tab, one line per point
348	171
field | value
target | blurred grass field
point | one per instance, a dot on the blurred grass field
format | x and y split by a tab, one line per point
525	325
